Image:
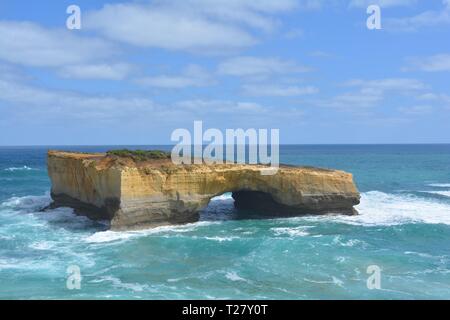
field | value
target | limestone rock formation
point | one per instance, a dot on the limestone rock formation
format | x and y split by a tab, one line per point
140	194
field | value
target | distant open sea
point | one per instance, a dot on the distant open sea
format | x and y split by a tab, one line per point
403	228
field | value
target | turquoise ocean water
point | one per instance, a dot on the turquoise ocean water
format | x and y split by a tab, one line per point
403	228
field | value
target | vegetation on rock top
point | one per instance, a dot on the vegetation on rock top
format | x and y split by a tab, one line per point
140	155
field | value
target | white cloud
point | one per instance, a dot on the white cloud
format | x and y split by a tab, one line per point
221	106
192	76
439	100
32	45
34	101
430	18
417	110
256	14
371	93
244	114
258	67
278	91
381	3
192	25
439	62
353	100
114	71
397	84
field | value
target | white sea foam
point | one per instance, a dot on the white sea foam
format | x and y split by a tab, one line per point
27	203
24	168
378	208
440	185
27	264
334	280
223	197
423	255
349	243
109	236
116	282
31	205
42	245
441	193
292	231
233	276
221	239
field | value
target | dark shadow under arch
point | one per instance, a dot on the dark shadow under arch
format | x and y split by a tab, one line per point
245	204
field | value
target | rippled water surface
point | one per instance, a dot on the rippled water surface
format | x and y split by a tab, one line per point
403	227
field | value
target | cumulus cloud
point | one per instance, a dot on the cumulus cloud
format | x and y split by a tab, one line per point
34	100
436	63
430	18
388	84
191	76
192	25
370	93
247	66
381	3
437	99
30	44
278	91
243	113
221	106
417	110
102	71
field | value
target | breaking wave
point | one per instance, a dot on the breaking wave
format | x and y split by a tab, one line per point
376	208
440	193
379	208
27	203
440	185
110	236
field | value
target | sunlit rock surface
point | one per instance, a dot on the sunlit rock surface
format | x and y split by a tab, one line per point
135	195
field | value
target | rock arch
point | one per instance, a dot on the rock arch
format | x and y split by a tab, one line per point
153	193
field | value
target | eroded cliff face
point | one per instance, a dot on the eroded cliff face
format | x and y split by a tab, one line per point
83	182
154	193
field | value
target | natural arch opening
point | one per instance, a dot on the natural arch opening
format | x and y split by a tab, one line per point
243	204
256	200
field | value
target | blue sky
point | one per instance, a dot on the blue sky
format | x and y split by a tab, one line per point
138	70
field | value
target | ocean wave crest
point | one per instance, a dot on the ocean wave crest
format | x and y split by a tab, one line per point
24	168
440	193
110	236
28	203
440	185
116	282
379	208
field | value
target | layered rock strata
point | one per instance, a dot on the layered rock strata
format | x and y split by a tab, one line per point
141	194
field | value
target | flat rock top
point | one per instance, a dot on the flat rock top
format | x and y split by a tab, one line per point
105	161
74	155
